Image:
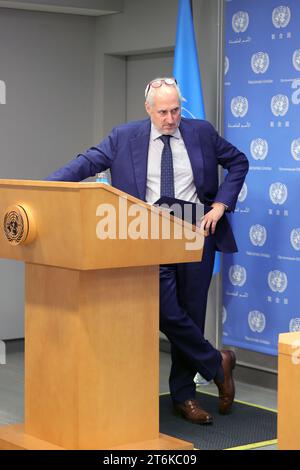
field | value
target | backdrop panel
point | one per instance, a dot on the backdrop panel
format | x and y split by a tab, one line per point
261	289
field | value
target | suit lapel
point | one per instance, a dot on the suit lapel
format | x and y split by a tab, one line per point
192	143
139	145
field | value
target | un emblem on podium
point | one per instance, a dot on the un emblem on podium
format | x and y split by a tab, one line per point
18	225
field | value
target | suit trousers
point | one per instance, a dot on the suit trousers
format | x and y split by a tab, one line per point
183	299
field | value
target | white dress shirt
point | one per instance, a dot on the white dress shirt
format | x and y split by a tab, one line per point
183	175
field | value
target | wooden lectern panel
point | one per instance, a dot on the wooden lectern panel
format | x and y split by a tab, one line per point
91	356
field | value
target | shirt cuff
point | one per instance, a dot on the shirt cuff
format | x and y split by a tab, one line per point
226	207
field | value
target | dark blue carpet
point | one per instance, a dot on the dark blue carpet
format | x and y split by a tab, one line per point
243	426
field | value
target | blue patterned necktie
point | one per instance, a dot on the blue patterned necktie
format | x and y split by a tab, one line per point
166	169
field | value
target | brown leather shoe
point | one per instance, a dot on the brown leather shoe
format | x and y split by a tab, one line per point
192	411
226	388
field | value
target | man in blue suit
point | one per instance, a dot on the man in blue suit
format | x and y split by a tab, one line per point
168	155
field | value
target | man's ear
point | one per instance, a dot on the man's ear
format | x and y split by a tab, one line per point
147	107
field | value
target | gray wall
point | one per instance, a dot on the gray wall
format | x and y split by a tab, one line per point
47	63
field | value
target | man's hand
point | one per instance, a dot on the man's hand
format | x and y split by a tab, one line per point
209	220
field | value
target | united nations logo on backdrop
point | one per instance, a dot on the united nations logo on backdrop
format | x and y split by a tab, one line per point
295	238
280	105
240	22
278	193
277	281
239	106
259	149
294	325
243	193
260	62
258	235
237	275
224	315
295	149
226	65
296	59
281	16
256	321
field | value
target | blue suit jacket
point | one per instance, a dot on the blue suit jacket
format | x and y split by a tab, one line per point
125	152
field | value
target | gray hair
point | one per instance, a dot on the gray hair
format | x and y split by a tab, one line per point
151	92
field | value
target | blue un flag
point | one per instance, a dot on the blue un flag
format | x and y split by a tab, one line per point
187	73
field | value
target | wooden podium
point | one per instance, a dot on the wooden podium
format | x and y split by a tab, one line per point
91	313
288	423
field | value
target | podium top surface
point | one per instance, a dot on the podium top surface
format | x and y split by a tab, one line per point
54	184
91	226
